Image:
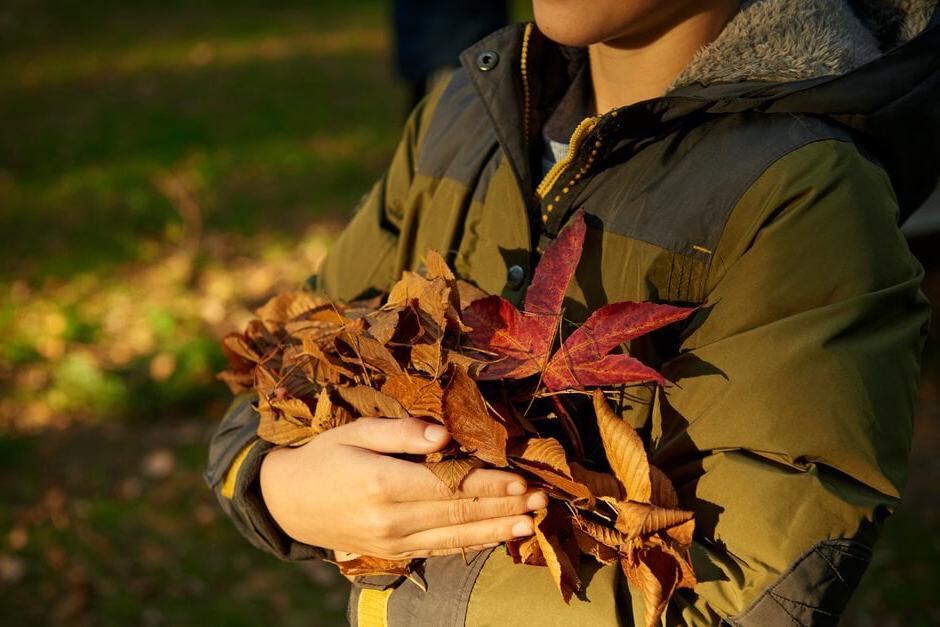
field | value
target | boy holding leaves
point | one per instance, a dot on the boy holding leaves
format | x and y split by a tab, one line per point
751	156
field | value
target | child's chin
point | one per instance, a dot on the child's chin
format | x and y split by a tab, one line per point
578	23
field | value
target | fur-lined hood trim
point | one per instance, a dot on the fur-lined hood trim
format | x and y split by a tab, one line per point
792	40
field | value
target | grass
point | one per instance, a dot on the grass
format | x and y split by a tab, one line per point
164	168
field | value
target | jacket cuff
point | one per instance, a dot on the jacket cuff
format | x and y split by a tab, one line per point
257	524
234	475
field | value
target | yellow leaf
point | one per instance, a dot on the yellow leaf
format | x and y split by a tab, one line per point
452	472
600	483
625	451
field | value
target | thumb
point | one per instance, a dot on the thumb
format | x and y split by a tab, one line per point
394	435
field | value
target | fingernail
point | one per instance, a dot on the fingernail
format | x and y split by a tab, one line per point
537	501
434	433
522	528
515	488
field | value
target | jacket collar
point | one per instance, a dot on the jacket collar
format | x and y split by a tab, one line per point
871	69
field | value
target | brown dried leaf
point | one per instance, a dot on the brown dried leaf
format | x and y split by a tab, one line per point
471	365
410	327
546	459
452	472
355	348
563	571
656	572
419	397
468	292
240	354
323	368
579	493
370	402
600	483
683	559
293	408
437	267
323	320
432	296
526	551
340	414
237	382
470	423
634	518
265	382
426	357
625	451
589	545
383	323
603	534
366	565
663	493
323	413
287	306
682	534
660	518
548	451
277	428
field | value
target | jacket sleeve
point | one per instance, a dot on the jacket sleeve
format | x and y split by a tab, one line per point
789	427
363	260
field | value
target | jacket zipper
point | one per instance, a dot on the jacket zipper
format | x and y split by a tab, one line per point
583	129
526	95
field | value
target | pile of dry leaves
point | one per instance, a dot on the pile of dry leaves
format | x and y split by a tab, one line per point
440	349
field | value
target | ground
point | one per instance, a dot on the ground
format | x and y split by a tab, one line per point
164	167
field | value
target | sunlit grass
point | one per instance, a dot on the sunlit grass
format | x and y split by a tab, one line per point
161	176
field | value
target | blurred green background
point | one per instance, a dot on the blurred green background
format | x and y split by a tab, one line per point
164	168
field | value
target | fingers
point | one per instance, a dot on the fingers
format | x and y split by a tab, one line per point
410	518
392	435
400	481
482	482
467	535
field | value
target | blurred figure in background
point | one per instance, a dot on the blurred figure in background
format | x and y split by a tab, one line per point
430	34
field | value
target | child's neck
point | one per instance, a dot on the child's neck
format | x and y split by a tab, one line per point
639	67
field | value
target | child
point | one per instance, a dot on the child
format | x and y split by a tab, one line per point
755	158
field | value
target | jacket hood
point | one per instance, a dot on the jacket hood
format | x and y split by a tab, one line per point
870	65
790	40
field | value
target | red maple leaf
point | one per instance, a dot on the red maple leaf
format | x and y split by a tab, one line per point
522	340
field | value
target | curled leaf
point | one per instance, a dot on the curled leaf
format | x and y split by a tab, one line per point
564	573
634	518
625	451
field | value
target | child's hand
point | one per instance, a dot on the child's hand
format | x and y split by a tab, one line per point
340	491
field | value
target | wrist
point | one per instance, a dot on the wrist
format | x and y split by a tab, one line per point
271	482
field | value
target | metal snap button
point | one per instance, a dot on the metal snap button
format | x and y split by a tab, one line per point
514	277
487	60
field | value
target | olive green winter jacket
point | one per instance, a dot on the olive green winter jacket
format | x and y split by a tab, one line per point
768	185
